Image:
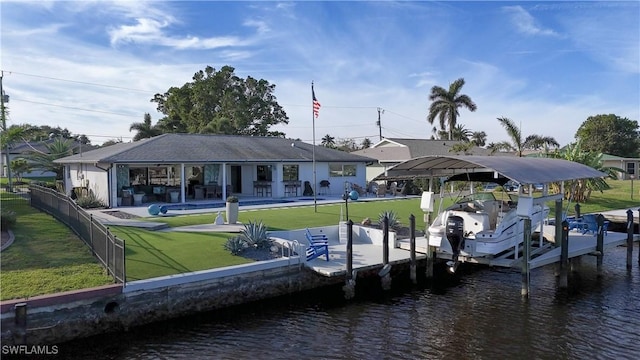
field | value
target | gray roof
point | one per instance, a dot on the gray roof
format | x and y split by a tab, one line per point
26	147
523	170
412	148
197	148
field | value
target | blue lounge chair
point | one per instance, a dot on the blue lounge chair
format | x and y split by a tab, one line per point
318	245
590	224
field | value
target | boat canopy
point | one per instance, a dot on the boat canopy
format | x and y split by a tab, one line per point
523	170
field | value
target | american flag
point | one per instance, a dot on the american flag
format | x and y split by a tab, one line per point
316	104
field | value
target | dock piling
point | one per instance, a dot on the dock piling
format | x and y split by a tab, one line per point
412	249
558	220
526	254
349	287
600	244
385	273
629	239
564	256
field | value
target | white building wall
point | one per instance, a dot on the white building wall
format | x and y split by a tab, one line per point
91	177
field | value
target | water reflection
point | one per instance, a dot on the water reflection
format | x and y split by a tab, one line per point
479	315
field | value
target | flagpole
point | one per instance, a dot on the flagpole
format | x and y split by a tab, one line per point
313	153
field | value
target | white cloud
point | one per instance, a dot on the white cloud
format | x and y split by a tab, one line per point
525	23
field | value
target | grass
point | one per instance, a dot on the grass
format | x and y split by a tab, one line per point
45	257
152	253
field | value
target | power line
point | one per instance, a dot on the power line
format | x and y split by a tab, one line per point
76	108
78	82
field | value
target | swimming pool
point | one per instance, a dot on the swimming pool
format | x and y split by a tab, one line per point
222	205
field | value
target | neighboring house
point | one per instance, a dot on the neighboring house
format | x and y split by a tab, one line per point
391	151
23	149
630	165
177	167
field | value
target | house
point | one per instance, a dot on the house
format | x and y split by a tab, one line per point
177	167
392	151
630	165
24	148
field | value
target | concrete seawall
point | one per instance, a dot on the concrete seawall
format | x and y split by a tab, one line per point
67	316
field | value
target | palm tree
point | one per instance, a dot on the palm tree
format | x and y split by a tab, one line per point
518	145
328	141
580	190
461	133
445	105
144	129
479	138
57	149
514	133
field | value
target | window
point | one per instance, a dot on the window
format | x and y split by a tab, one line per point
138	175
290	172
631	168
342	170
264	172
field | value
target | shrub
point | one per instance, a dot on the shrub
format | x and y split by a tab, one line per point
393	219
232	199
236	245
7	219
255	234
90	201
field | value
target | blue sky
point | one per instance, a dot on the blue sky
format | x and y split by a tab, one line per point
93	66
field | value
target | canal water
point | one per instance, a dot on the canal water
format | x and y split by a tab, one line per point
477	315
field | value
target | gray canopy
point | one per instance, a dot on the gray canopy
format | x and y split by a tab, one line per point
523	170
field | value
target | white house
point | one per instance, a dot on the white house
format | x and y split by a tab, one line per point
182	167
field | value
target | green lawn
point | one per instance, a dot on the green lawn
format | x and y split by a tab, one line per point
46	256
153	253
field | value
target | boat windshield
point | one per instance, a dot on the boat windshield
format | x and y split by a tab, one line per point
481	196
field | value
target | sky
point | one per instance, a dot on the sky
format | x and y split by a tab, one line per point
93	66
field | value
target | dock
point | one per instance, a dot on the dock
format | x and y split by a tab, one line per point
365	257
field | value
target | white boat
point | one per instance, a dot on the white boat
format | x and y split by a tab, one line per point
479	227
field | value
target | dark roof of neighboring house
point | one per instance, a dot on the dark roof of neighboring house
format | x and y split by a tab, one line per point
405	149
197	148
26	147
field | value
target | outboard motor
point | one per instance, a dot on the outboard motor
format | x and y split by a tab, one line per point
455	235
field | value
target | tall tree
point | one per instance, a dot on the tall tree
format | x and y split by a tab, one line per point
479	138
329	141
56	149
518	144
610	134
221	102
366	143
445	104
580	189
144	129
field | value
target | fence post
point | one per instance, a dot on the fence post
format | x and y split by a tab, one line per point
106	251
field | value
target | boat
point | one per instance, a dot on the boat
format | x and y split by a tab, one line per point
479	227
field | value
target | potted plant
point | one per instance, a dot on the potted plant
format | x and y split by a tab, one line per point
232	209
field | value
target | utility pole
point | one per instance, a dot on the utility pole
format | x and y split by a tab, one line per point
5	98
378	123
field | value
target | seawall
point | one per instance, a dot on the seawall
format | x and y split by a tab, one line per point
57	318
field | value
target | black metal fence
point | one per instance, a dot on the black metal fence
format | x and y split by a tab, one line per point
105	246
